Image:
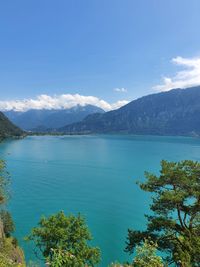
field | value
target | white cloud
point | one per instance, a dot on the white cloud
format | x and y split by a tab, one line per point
64	101
120	90
188	77
119	104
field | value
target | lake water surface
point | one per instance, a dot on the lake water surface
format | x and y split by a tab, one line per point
93	175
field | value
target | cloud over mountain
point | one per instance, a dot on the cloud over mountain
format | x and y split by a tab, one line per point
120	90
63	101
187	77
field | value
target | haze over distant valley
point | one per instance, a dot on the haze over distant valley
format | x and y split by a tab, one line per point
50	119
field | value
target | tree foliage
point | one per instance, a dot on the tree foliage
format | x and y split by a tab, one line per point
175	220
8	224
4	182
10	254
63	240
146	255
63	258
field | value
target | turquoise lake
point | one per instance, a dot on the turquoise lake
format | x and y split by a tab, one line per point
93	175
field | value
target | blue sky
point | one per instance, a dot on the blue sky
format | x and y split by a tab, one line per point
91	47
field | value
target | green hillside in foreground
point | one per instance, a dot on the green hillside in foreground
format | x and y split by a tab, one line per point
8	129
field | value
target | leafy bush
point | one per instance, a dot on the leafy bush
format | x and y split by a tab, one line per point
63	241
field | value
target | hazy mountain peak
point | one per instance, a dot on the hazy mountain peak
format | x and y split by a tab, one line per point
34	119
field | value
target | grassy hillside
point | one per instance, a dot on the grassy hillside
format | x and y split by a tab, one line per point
11	255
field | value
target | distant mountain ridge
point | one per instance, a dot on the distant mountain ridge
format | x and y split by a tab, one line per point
8	129
176	112
43	119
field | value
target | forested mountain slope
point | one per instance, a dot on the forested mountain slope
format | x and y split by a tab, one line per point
176	112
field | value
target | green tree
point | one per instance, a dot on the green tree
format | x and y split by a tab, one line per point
10	254
63	258
4	181
65	239
175	221
5	218
8	224
146	255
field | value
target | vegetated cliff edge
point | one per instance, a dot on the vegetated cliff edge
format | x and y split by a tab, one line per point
176	112
8	129
11	255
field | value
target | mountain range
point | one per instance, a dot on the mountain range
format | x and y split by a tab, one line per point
176	112
43	119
